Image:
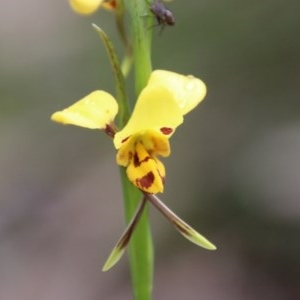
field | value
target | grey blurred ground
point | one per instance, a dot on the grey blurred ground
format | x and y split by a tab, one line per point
234	172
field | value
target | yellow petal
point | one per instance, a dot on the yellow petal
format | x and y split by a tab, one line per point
125	153
188	91
146	172
154	142
85	7
155	110
95	111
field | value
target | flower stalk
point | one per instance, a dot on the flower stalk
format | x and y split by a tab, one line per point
141	246
142	38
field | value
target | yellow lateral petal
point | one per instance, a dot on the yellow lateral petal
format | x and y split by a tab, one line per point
155	110
188	91
85	7
125	152
94	111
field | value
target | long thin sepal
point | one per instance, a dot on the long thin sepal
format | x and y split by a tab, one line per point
186	230
122	243
121	96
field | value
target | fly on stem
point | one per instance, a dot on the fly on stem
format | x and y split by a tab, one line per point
163	15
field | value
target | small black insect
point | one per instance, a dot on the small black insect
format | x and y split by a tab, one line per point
163	16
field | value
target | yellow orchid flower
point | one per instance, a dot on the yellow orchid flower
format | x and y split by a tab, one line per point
86	7
158	111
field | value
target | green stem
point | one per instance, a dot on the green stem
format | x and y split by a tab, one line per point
141	33
140	247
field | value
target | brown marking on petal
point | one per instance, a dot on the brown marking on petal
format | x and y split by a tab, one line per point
124	140
161	177
130	155
166	130
110	130
113	3
136	160
110	4
146	181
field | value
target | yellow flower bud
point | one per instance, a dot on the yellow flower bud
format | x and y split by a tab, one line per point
85	7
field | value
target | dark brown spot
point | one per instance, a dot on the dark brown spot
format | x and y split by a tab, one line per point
114	3
166	130
130	155
124	140
146	181
110	130
136	160
161	177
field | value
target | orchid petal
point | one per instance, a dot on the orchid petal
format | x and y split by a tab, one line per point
188	91
95	111
145	171
155	110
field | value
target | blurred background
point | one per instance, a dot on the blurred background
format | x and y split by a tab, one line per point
234	173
